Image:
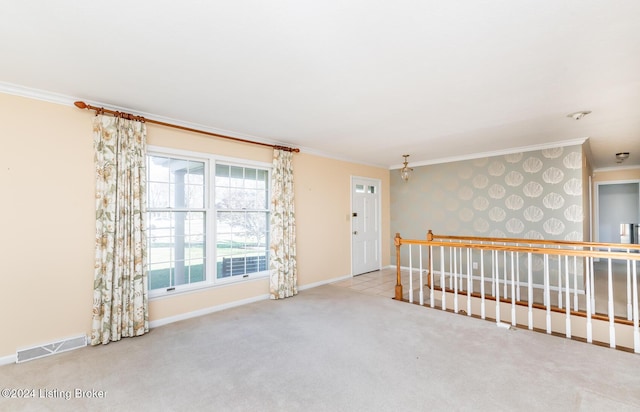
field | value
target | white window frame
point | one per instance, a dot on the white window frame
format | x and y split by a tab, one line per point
210	210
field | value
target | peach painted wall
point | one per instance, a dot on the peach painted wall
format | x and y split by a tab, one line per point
47	221
48	224
323	208
621	174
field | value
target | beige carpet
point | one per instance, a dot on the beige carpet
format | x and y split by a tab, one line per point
333	349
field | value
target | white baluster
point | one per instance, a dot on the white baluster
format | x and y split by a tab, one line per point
513	292
421	281
410	275
469	282
442	279
504	272
547	297
482	302
629	306
593	285
455	281
497	291
612	330
636	333
530	289
460	272
575	283
518	276
470	267
431	276
559	281
588	287
567	297
450	267
494	260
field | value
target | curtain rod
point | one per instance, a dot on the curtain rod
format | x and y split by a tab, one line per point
102	110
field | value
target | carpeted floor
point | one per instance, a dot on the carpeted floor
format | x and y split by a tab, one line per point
332	348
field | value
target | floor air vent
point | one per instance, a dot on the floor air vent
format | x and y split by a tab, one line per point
36	352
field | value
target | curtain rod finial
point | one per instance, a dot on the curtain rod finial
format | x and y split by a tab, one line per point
80	105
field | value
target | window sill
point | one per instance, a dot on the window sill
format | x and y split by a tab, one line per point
160	294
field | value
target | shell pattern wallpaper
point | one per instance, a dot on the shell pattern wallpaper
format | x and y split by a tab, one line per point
530	195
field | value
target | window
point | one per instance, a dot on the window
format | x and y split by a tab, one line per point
242	220
369	189
194	241
176	221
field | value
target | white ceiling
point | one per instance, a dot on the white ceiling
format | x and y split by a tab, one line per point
364	80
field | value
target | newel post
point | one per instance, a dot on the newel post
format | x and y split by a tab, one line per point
398	278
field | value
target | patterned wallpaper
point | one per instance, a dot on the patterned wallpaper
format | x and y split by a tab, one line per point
532	195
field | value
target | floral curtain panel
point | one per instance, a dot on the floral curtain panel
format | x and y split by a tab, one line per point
282	257
120	297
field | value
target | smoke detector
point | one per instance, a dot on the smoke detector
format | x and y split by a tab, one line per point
622	156
579	115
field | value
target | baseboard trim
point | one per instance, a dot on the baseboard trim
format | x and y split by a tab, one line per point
206	311
324	282
217	308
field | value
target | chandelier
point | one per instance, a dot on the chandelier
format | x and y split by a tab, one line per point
405	172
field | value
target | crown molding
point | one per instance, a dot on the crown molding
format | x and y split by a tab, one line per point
66	100
616	168
551	145
31	93
333	156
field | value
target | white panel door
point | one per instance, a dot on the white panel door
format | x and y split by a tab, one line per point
365	225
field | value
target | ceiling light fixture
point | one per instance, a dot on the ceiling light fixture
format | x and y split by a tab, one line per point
621	157
579	115
405	172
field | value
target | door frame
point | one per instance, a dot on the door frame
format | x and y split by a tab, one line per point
378	183
596	203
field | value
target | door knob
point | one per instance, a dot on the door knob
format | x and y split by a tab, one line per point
355	232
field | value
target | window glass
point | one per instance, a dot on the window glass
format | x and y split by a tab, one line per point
176	222
241	221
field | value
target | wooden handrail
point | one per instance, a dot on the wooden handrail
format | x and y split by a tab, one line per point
630	246
524	249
